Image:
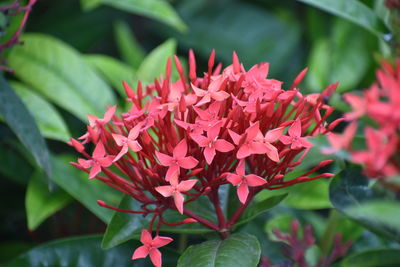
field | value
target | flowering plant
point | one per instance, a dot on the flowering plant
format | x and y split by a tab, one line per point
183	140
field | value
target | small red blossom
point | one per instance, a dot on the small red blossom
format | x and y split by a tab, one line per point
150	247
176	189
128	142
294	138
243	181
99	159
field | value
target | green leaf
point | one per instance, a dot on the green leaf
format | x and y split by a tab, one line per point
352	194
23	125
125	226
236	27
82	251
155	62
129	49
373	258
237	250
58	72
309	195
40	203
14	165
160	10
77	184
49	121
113	71
258	208
352	10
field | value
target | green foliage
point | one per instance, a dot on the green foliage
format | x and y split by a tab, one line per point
21	122
373	258
58	72
160	10
237	250
41	202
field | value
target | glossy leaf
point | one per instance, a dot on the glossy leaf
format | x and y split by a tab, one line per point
13	165
49	121
40	202
113	71
21	122
129	49
58	72
87	192
160	10
82	251
352	10
237	250
373	258
351	193
260	207
154	63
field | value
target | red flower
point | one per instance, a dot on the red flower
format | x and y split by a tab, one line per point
150	247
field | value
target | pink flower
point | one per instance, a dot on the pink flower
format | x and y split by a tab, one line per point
270	137
175	189
294	139
150	247
128	142
211	143
99	159
178	159
213	92
244	181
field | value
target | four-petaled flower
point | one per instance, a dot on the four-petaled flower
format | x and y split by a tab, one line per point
175	189
128	142
243	181
211	143
294	139
213	92
150	247
250	145
99	159
178	159
270	137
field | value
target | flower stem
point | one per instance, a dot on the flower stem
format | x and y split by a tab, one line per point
201	220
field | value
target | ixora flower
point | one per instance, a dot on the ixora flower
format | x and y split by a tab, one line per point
183	140
380	103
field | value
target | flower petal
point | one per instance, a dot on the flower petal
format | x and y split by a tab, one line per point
220	95
243	192
140	252
96	169
165	190
164	159
121	153
99	151
155	257
201	140
209	154
255	180
243	152
234	179
188	163
134	145
180	150
295	129
186	185
273	135
145	237
178	200
160	241
223	145
235	137
119	139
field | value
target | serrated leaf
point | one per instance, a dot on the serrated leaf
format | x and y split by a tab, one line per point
23	125
58	72
237	250
113	71
87	192
49	121
129	49
352	10
154	64
40	203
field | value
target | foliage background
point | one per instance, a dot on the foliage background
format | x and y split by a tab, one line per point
74	57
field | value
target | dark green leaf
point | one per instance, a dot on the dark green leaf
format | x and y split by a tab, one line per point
129	49
49	121
351	193
13	164
77	184
23	125
237	250
82	251
255	34
373	258
57	71
352	10
40	203
258	208
113	71
160	10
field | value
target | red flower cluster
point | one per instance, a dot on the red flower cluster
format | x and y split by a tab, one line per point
380	103
182	140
